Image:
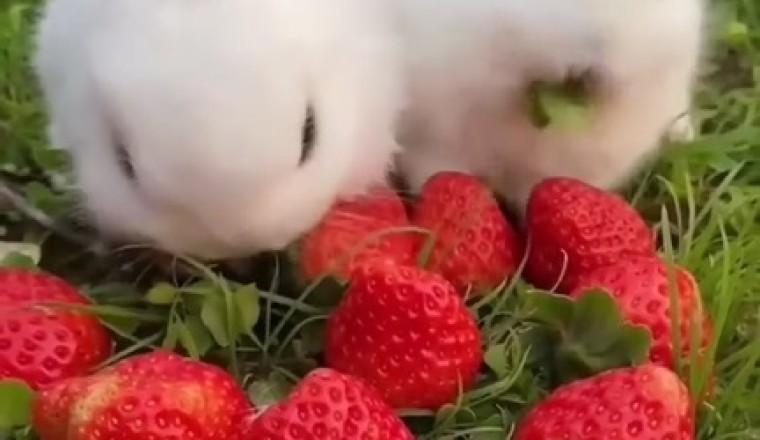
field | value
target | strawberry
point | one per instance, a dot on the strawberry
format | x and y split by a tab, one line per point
39	345
159	395
475	246
407	333
640	286
350	233
329	405
573	222
642	402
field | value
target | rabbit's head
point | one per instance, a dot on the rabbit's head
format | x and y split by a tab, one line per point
219	129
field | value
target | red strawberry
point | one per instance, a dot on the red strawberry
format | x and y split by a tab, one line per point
640	286
41	346
643	402
406	332
344	238
475	244
329	405
573	222
158	395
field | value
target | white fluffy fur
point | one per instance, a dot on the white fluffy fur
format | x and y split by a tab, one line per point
471	60
209	98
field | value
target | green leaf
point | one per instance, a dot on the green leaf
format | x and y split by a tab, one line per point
736	34
561	106
43	198
445	415
50	159
124	325
605	332
313	336
112	293
19	254
492	428
553	309
162	294
328	292
172	335
596	320
18	260
586	335
26	433
540	339
269	391
195	337
496	359
214	317
247	305
110	311
117	295
16	400
196	294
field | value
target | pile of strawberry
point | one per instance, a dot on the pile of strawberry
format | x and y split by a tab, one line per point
402	336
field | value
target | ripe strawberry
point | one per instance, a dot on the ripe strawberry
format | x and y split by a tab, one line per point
39	345
475	244
640	286
329	405
406	332
646	401
348	236
159	395
573	222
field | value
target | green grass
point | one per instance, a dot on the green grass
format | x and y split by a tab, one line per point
704	199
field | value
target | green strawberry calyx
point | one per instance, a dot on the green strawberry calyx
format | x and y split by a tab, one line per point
584	336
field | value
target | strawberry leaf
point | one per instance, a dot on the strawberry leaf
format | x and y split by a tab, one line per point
587	335
328	292
194	337
124	326
269	391
247	304
313	336
492	428
214	317
552	309
15	404
116	293
496	360
26	433
196	295
172	335
17	258
162	294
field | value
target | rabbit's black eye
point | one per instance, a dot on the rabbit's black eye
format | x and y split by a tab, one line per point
308	134
125	162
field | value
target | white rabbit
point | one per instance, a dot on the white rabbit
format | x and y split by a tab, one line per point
185	118
472	61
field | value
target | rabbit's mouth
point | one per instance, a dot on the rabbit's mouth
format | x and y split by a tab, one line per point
567	103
